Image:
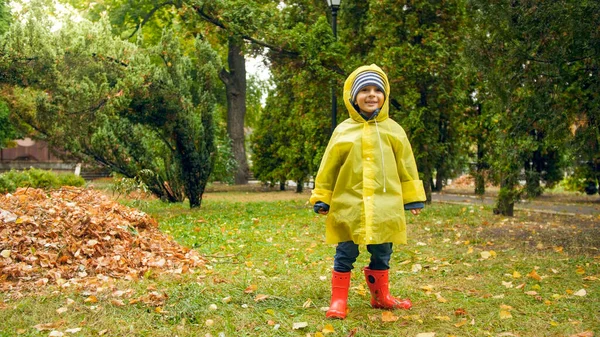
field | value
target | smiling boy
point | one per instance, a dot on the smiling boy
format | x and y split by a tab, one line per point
367	178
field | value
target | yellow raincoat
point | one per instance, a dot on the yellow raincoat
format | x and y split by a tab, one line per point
367	174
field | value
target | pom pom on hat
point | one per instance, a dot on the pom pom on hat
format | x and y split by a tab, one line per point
364	79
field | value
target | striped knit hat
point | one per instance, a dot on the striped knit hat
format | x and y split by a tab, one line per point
364	79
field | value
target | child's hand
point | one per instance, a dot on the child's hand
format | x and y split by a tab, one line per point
415	211
321	208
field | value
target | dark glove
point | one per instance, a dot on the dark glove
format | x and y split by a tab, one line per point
413	205
319	205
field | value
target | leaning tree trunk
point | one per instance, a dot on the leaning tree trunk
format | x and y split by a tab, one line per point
235	85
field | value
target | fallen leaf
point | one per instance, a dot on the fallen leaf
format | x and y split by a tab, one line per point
62	310
460	312
307	304
56	333
116	302
388	316
5	253
91	299
328	328
461	323
534	275
251	288
426	334
73	330
580	270
507	284
48	326
584	334
442	318
580	292
504	314
516	274
260	297
531	293
299	325
440	298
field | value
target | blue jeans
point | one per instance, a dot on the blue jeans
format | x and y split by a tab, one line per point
347	252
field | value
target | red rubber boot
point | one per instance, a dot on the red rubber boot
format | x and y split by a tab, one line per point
378	281
340	283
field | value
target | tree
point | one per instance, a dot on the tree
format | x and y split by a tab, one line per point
141	112
531	56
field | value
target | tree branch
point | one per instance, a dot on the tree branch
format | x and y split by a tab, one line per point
220	24
149	16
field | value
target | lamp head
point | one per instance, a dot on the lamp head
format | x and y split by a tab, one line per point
334	3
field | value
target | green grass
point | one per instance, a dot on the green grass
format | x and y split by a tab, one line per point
277	247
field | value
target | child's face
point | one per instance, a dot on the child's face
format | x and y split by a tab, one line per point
369	99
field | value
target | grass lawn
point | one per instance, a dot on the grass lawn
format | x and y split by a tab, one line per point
468	273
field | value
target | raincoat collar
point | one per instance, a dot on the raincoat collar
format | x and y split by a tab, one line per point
354	114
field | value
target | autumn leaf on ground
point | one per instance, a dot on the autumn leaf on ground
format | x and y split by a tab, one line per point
388	316
49	326
505	314
516	274
580	270
580	293
460	312
251	288
426	334
534	275
307	304
584	334
360	290
461	323
260	297
299	325
91	299
439	298
328	329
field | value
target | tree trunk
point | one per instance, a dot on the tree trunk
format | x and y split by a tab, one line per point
235	85
480	165
506	197
299	186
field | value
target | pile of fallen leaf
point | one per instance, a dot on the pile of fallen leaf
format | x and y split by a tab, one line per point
71	234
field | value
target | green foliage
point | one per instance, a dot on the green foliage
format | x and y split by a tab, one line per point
6	184
115	103
5	17
36	178
530	58
7	131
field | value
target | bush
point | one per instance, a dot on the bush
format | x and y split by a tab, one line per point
36	178
70	179
42	179
6	185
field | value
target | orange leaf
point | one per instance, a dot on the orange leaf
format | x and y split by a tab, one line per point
251	288
534	275
388	316
91	299
260	297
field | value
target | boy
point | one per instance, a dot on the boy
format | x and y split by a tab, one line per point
367	178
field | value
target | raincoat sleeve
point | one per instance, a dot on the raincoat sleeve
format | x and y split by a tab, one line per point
327	175
412	186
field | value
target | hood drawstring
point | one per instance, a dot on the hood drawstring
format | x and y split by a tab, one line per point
382	158
375	113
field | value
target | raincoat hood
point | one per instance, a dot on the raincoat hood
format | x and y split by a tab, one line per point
352	110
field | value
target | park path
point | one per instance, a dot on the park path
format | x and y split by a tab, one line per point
551	206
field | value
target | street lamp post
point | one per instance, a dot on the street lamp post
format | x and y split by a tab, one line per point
334	5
